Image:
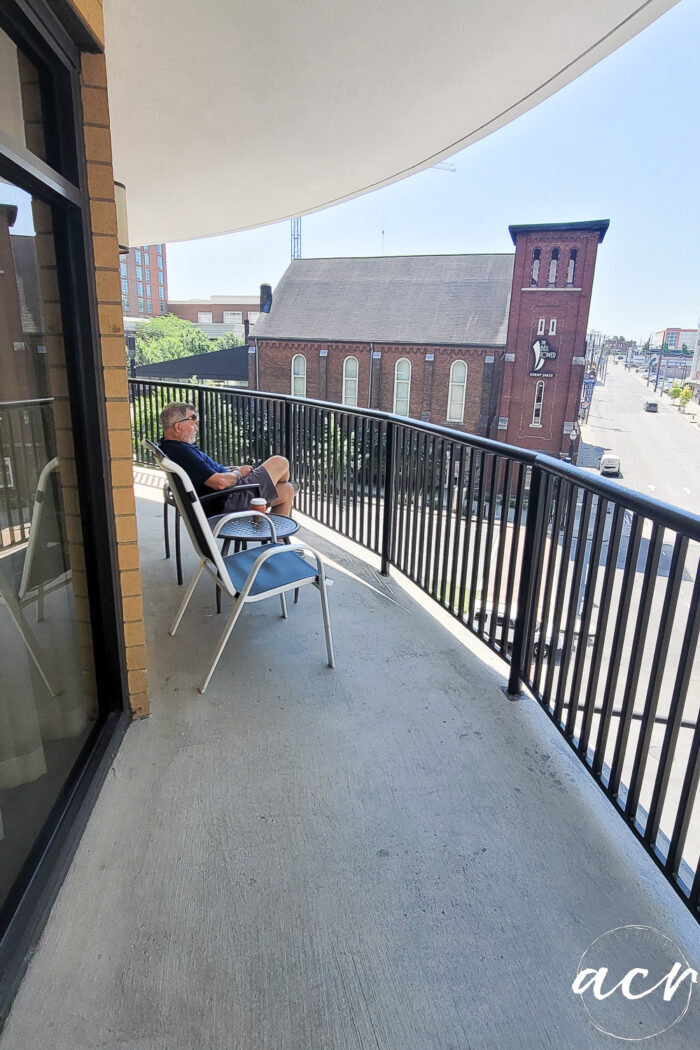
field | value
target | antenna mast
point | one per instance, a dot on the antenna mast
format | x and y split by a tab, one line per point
296	237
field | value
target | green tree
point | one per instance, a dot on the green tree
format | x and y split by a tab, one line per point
224	342
165	338
675	391
685	396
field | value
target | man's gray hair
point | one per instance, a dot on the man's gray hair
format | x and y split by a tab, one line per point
175	412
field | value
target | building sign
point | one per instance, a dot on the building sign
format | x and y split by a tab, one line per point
542	353
588	388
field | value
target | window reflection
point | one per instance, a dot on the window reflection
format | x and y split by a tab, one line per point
47	684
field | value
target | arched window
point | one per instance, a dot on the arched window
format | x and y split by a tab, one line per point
299	375
552	279
350	373
537	410
402	387
458	389
535	271
571	271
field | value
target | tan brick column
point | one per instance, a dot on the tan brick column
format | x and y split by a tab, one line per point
104	233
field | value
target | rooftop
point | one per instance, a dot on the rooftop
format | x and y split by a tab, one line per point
426	299
599	225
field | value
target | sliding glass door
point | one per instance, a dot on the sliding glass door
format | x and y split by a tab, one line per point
62	680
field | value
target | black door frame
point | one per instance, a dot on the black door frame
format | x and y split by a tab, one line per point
52	38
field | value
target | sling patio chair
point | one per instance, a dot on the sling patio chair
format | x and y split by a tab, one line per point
248	575
169	501
29	573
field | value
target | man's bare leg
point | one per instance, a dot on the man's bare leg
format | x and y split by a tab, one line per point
278	469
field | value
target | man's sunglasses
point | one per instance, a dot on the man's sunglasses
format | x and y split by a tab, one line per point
187	419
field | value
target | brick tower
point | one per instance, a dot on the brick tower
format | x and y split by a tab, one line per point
546	343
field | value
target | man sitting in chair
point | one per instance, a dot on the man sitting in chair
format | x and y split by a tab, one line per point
180	423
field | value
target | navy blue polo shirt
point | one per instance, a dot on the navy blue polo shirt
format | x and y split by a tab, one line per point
196	463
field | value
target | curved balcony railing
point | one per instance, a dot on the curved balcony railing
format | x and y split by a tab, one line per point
589	591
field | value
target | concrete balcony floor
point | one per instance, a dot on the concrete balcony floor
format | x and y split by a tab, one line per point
390	855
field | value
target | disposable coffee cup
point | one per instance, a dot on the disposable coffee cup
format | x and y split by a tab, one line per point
260	505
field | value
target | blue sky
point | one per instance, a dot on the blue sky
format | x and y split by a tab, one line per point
621	143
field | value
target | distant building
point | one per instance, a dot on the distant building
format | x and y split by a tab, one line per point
695	367
215	317
489	344
219	314
620	346
144	280
675	338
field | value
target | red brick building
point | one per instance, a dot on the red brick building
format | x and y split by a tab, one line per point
144	279
218	309
487	344
543	365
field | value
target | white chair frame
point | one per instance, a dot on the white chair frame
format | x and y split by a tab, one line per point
295	571
29	590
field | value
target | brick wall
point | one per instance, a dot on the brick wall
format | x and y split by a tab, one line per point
430	379
138	305
106	254
91	13
189	311
568	305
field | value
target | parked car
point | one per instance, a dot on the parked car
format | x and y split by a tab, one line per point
610	464
651	406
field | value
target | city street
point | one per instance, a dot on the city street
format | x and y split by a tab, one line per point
659	452
658	458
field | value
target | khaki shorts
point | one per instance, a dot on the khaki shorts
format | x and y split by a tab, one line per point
236	500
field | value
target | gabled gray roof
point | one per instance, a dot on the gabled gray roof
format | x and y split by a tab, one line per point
446	299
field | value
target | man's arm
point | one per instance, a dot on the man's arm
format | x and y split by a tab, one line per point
220	481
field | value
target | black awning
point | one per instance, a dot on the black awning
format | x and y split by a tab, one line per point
225	365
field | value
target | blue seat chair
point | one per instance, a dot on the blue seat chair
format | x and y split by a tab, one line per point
169	501
246	576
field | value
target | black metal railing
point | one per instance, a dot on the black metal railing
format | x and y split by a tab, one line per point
26	445
588	590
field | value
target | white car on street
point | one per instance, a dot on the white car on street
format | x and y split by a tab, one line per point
610	464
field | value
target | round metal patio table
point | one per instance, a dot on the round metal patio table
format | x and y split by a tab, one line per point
242	531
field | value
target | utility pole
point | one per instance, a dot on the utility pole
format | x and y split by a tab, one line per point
664	346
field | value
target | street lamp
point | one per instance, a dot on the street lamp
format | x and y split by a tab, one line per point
574	435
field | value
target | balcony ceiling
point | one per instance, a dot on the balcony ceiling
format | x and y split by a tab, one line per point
229	115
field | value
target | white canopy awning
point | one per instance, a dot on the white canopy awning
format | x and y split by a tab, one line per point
229	114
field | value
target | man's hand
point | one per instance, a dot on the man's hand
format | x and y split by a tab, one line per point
218	482
243	470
